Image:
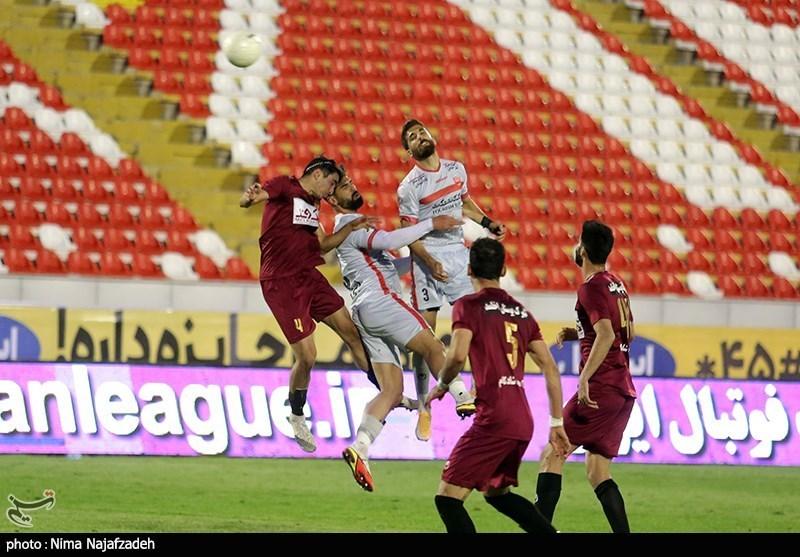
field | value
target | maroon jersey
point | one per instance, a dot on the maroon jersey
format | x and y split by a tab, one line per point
603	296
501	329
289	225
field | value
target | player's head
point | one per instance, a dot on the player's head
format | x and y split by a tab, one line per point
322	174
487	259
597	240
417	140
345	195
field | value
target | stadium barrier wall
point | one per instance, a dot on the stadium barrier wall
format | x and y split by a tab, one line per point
124	409
203	338
245	297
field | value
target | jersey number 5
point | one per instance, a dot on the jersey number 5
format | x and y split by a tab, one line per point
512	356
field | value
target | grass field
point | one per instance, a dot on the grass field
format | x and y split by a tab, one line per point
148	494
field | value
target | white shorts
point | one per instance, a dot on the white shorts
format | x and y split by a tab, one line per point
429	293
387	324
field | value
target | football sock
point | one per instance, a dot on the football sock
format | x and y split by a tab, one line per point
455	517
548	491
613	506
523	512
367	432
459	391
421	377
297	400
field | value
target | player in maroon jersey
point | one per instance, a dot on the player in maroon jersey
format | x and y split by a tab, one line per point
496	331
596	416
292	243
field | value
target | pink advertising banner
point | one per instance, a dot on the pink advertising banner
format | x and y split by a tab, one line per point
154	410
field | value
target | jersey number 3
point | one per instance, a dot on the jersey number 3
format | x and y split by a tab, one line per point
512	356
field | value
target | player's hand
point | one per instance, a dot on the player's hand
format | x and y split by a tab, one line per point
444	222
435	394
437	270
250	195
363	222
560	441
498	229
566	333
583	395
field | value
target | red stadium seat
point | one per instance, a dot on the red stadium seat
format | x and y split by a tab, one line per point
48	262
782	288
17	261
237	269
754	288
111	264
79	263
206	268
729	286
671	284
144	266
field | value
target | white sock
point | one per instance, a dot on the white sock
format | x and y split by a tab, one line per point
459	391
422	375
367	432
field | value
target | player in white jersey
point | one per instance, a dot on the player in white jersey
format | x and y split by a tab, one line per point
386	323
439	260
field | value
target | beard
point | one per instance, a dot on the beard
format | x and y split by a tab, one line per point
424	150
354	203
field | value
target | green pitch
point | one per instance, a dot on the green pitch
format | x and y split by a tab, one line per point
148	494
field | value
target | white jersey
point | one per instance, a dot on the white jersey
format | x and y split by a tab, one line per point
368	270
426	194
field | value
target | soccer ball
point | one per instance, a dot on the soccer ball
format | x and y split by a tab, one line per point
242	49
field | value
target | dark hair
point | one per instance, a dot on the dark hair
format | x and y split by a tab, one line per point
486	258
323	163
597	240
407	126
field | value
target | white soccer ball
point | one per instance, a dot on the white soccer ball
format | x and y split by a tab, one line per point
242	49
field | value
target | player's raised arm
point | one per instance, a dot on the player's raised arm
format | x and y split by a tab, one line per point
541	356
475	213
253	196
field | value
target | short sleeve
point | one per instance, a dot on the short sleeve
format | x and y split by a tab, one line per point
461	318
407	202
275	187
594	301
534	331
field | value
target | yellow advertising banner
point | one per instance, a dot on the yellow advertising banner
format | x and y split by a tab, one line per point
244	340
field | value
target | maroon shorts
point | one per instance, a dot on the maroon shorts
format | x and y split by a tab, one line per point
598	430
300	300
480	461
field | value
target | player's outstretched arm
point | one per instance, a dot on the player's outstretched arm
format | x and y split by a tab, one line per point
396	239
542	357
333	241
253	196
453	363
475	213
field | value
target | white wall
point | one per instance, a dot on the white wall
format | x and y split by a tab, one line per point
35	290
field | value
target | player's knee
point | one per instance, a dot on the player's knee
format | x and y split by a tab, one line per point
596	477
304	359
